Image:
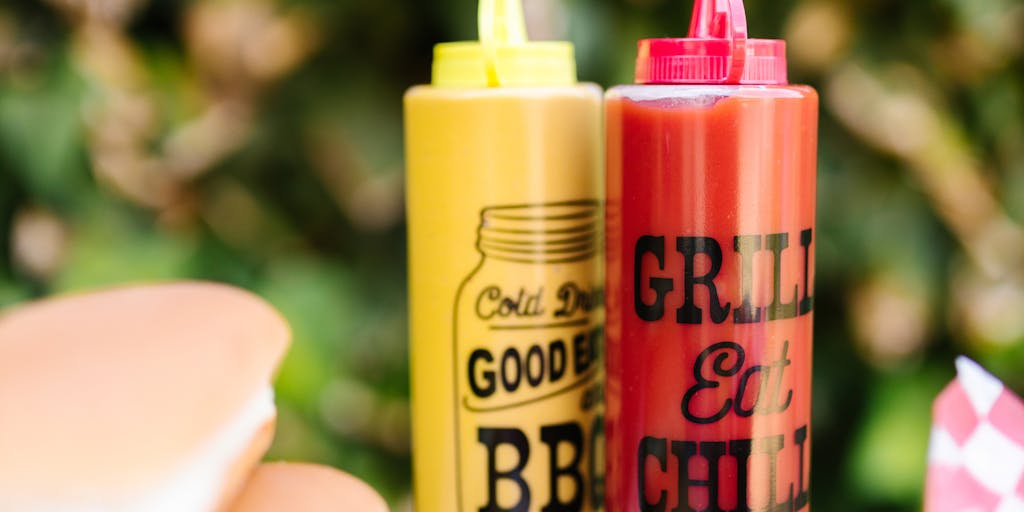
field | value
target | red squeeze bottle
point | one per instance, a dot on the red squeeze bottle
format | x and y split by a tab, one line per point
710	252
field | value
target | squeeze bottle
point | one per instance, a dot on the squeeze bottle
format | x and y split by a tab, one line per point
710	262
505	217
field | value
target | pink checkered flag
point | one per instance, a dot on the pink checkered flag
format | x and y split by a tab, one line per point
976	457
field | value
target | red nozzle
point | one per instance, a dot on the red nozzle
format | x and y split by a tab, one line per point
719	19
717	51
723	19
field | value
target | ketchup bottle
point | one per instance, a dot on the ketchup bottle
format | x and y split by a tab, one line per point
710	269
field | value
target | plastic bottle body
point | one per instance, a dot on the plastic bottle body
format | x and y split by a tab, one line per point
710	218
504	205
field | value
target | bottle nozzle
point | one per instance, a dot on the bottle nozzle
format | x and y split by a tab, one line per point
504	56
500	23
716	51
723	19
718	19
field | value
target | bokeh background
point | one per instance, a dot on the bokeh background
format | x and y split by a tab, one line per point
259	142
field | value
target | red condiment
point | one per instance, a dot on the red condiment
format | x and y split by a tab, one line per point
711	200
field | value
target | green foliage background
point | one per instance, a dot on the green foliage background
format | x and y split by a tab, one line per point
259	143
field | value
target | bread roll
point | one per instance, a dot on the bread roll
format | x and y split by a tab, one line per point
152	398
283	486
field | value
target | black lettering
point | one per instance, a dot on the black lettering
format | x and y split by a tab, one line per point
740	450
807	303
552	436
661	286
777	310
582	354
491	293
741	391
597	343
511	355
712	451
574	299
771	446
651	447
726	348
487	375
774	379
492	438
800	438
556	365
747	246
596	465
689	313
535	359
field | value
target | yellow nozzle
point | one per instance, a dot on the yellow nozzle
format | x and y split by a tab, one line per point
504	56
501	22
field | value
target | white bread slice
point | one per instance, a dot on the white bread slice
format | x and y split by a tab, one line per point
280	486
142	398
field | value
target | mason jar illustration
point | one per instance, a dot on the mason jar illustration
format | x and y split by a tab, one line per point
528	361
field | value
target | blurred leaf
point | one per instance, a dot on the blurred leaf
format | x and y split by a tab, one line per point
889	453
11	295
318	302
41	134
111	245
285	214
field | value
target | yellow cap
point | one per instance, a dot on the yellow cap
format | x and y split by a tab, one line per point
503	57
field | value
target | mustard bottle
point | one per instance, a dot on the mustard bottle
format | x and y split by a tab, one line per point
504	202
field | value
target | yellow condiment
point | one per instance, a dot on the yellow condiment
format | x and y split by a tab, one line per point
505	216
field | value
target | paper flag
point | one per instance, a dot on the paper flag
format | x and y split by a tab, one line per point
976	455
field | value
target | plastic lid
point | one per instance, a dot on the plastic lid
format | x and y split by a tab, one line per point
503	57
716	51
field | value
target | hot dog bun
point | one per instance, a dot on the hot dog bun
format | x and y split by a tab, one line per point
141	398
306	488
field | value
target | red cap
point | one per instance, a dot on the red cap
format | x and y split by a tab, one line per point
717	51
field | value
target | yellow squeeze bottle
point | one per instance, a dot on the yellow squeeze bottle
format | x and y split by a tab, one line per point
505	218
